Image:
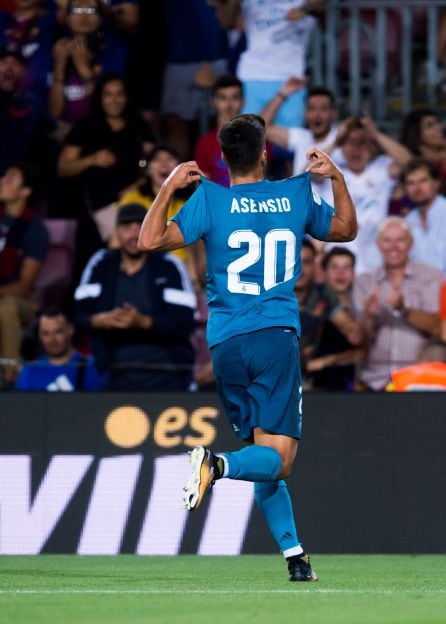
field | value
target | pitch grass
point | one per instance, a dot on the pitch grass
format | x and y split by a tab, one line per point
188	589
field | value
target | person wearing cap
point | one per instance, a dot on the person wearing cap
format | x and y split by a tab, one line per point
139	310
29	30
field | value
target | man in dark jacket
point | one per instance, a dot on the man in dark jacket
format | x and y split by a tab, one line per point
139	309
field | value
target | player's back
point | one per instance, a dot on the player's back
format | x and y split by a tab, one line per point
253	234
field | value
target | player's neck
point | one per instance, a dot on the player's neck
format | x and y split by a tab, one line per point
257	175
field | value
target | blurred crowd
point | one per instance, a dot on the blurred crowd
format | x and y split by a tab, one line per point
100	100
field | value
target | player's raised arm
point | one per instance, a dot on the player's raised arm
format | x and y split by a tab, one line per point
344	226
157	234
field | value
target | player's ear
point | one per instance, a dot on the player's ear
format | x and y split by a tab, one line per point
223	158
263	158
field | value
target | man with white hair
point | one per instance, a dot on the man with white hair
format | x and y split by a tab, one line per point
397	305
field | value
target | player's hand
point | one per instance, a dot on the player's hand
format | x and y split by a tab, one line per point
184	174
320	163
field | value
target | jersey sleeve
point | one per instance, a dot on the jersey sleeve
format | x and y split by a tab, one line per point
192	219
319	216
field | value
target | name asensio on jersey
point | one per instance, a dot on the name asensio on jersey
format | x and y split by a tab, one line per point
246	204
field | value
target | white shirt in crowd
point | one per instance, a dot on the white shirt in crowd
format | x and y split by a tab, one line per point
277	47
429	244
371	191
300	141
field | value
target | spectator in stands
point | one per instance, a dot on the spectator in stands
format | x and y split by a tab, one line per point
103	153
421	181
29	31
429	373
231	20
139	309
320	117
118	26
424	136
161	161
79	59
23	125
61	368
397	305
123	14
371	159
335	357
23	248
196	55
278	38
317	305
227	101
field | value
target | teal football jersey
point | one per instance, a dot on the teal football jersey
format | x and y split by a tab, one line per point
253	235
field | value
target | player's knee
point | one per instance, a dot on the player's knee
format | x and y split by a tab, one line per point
285	470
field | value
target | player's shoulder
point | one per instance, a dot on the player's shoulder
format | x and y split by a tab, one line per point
299	181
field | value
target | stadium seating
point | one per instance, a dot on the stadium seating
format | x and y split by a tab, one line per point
55	276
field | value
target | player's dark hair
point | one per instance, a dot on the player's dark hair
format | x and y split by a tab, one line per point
420	163
322	91
309	245
336	252
410	133
225	81
242	141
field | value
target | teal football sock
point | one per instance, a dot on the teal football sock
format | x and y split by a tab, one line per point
275	503
253	463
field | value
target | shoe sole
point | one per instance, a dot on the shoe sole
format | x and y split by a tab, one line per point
313	579
200	480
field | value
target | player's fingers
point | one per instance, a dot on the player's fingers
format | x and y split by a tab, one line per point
318	165
314	152
193	166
